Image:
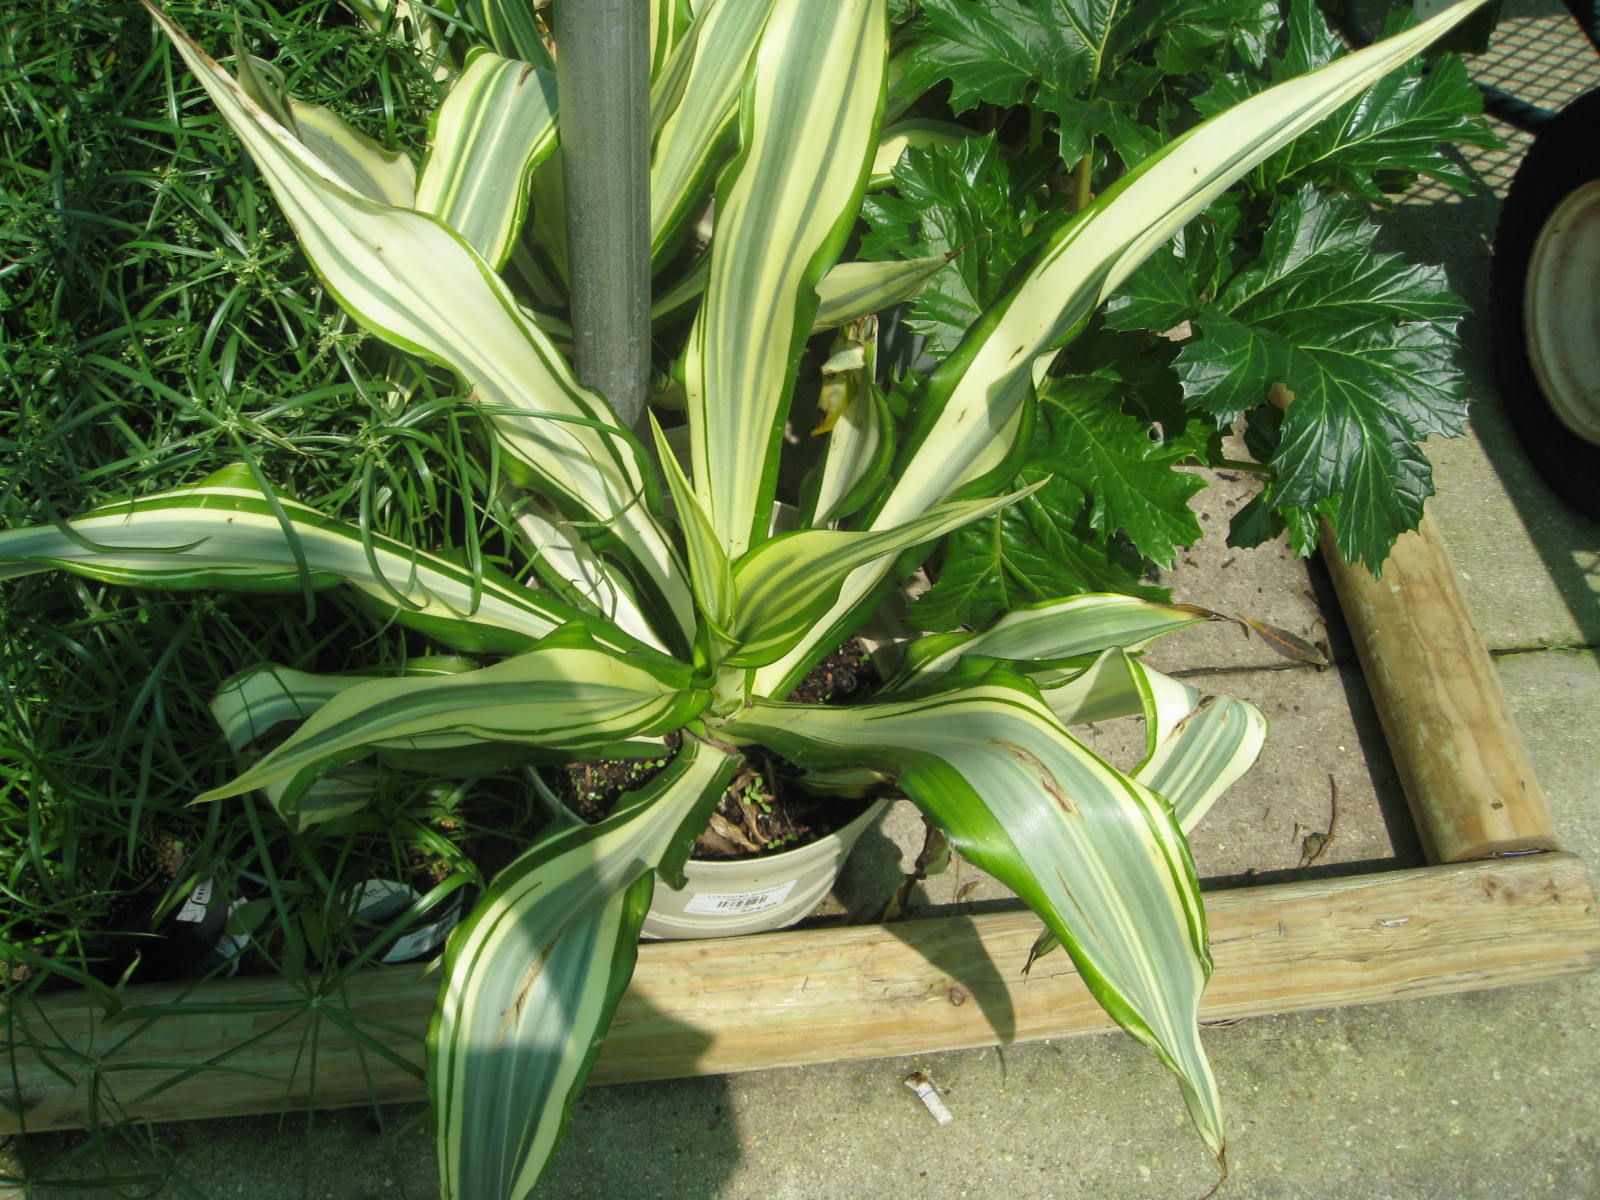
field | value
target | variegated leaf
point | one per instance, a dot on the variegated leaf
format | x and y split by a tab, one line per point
224	533
386	176
856	289
787	582
1094	853
1203	756
1199	757
1051	632
251	704
569	566
849	290
566	695
532	977
974	406
1115	684
669	23
710	574
907	135
808	123
495	126
860	450
693	105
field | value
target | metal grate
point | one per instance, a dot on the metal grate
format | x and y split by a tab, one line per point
1544	60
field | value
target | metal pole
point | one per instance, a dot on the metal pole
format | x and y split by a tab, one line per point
603	85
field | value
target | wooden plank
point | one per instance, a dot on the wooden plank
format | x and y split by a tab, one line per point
1461	758
817	995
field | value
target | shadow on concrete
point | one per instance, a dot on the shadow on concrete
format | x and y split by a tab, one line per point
1458	234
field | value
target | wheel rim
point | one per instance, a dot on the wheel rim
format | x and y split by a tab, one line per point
1561	312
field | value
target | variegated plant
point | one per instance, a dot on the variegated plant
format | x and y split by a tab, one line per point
663	598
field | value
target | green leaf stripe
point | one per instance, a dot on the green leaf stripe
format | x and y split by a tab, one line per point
693	105
1037	636
784	585
1204	755
387	176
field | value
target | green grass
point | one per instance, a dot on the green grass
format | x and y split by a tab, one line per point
158	323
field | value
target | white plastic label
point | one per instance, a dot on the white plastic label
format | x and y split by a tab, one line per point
731	904
194	908
421	941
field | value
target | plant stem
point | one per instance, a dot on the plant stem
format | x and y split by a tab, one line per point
602	81
1238	464
1080	178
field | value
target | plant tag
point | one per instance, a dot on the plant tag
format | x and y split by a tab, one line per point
381	900
422	941
194	908
726	904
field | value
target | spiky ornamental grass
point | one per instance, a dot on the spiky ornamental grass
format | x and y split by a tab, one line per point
158	323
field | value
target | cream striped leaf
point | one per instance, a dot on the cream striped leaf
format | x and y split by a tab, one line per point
1199	758
416	283
669	22
849	290
808	125
567	695
856	289
990	375
223	533
786	583
495	126
1096	855
860	451
532	977
1204	755
1116	684
1049	633
710	573
567	564
251	704
693	106
907	135
386	176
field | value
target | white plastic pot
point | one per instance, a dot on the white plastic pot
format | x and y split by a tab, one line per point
727	897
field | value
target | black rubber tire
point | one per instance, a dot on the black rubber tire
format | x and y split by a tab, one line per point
1564	157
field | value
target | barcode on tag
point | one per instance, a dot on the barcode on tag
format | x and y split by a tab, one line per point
727	904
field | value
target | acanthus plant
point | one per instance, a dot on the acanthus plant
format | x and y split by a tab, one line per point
653	597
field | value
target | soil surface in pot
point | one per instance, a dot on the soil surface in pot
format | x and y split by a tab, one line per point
765	809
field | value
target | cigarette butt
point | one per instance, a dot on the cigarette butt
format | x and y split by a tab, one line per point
919	1083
